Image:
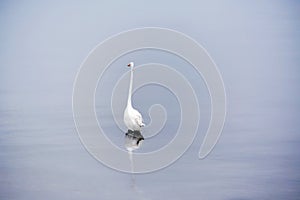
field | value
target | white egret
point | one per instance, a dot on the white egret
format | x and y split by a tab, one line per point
132	118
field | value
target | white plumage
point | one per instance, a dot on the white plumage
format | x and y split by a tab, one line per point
132	117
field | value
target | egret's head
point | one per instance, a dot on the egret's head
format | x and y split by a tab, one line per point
131	64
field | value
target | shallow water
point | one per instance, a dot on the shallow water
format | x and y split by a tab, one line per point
256	48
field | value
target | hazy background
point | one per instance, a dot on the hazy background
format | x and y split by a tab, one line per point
256	47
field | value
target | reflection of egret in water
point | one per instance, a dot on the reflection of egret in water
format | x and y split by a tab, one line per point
133	141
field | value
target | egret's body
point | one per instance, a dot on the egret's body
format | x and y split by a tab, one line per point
132	118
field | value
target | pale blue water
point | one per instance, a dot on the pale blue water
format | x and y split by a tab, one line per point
254	44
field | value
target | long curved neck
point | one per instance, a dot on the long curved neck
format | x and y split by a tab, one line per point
130	87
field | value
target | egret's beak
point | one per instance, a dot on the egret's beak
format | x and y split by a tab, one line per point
128	65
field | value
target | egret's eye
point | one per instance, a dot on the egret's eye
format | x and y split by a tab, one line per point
128	65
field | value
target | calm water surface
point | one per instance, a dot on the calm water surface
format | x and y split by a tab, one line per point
257	50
